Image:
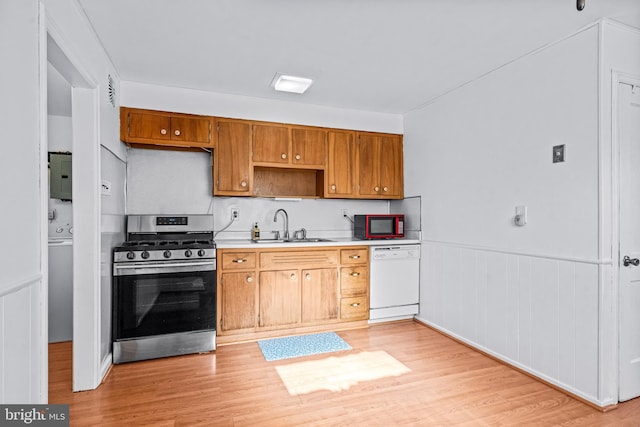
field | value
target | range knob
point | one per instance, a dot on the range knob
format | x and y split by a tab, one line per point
201	252
167	254
188	253
131	255
145	255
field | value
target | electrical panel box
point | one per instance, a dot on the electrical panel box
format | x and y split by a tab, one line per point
60	176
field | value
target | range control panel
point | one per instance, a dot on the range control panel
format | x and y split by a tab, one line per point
172	220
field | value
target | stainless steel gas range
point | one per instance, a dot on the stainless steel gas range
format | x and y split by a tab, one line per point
164	288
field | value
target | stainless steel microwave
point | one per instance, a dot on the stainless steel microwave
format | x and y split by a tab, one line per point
378	226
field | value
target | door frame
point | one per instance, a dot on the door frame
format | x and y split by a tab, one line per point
617	78
86	365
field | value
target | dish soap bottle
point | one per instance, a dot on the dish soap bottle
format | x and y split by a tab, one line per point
255	233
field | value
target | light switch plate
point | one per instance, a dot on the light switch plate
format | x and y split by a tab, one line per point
558	153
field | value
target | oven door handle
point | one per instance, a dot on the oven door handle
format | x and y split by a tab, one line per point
153	268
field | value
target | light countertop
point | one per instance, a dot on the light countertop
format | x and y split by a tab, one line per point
248	244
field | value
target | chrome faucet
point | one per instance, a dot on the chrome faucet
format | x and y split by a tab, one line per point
286	222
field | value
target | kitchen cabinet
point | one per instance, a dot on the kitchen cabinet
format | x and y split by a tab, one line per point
278	291
320	294
279	298
237	292
380	166
166	129
341	160
289	146
354	283
232	172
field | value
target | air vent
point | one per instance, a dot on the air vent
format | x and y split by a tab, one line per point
111	90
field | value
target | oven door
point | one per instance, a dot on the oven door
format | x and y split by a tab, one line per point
151	299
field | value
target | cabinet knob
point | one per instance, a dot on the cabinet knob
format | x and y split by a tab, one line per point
163	131
243	184
177	132
355	304
298	157
283	155
249	279
307	276
239	260
355	274
385	188
354	256
333	186
293	276
376	188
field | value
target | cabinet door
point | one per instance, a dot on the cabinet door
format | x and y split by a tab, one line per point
320	299
270	144
238	301
194	130
279	298
391	167
308	147
340	164
232	171
148	126
368	165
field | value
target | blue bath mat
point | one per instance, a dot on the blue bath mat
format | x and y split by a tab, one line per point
303	345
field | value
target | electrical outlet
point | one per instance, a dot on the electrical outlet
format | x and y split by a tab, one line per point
235	213
345	213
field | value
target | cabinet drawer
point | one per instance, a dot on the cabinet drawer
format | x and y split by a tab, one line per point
298	259
238	261
354	280
356	308
354	256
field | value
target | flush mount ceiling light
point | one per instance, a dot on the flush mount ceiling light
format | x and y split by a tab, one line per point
294	84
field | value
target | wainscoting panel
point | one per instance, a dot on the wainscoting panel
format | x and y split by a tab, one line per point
539	313
20	332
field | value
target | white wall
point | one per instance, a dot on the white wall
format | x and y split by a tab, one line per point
529	295
23	376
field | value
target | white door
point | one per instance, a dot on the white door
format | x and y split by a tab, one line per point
629	141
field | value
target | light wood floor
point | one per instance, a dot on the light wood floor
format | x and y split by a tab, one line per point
446	384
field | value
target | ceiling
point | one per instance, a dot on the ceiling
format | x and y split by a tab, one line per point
372	55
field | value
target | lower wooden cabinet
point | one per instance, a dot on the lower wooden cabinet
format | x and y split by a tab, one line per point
265	292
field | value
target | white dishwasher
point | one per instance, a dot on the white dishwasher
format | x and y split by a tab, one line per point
395	282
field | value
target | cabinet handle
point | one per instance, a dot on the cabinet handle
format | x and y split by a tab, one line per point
283	155
298	157
243	183
376	188
293	276
354	256
177	132
239	260
249	279
385	188
355	304
333	186
163	131
355	274
307	276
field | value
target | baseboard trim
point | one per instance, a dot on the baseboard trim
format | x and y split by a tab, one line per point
594	405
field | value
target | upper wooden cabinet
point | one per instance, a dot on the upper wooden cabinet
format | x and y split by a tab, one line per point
289	146
165	129
265	159
380	166
341	162
232	172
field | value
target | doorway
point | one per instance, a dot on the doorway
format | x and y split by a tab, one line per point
85	210
628	138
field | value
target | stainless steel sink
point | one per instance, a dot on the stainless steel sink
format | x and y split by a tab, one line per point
305	240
